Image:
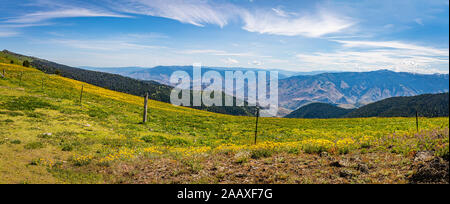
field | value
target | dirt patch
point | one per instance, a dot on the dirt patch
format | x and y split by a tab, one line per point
432	171
280	168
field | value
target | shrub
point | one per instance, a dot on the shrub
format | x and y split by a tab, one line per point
26	63
16	142
11	113
34	114
98	113
317	146
261	153
34	145
8	121
82	160
26	103
67	148
242	157
443	152
166	141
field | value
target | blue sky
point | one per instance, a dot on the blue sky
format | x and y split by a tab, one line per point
296	35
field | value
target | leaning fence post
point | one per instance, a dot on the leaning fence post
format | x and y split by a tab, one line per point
417	121
256	129
145	108
81	95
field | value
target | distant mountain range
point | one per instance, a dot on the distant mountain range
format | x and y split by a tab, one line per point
426	105
355	89
296	89
162	74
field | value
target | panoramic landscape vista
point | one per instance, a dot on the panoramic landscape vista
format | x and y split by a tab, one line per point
224	92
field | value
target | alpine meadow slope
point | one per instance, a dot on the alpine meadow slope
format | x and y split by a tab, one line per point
123	84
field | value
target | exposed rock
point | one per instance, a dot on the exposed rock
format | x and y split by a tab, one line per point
423	156
45	135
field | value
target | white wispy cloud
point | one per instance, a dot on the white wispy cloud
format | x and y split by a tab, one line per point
395	45
66	13
274	21
8	34
397	56
196	12
104	45
220	53
231	61
311	25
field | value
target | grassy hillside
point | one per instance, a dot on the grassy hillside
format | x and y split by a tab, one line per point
319	110
118	83
47	137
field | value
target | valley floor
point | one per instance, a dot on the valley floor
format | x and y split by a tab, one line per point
48	136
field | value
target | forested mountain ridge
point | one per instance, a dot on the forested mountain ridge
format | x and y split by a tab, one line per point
319	110
427	105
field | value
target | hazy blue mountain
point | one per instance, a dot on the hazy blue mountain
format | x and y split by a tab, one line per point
357	88
162	74
113	70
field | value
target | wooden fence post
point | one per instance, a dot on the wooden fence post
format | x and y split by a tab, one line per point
3	75
417	121
257	120
81	96
145	108
20	79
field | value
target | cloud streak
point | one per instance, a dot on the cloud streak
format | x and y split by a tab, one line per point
4	34
310	25
195	12
397	56
67	13
273	21
104	45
